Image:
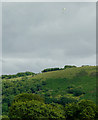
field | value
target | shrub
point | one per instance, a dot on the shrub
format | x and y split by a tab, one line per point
27	97
44	83
5	117
71	86
71	111
83	110
66	100
21	74
96	113
87	110
50	69
76	91
69	66
34	109
50	100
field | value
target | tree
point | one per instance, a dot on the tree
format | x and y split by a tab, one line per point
87	110
75	91
71	111
65	100
83	110
69	66
5	117
50	69
28	97
34	109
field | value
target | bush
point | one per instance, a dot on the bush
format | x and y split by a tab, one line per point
50	69
71	111
76	91
87	110
27	97
30	110
4	117
69	66
71	86
66	100
83	110
44	83
22	74
50	100
96	114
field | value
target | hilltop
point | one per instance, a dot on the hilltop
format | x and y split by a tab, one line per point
60	86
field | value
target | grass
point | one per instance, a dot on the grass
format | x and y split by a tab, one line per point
67	73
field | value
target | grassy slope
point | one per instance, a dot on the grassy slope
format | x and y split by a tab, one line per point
58	81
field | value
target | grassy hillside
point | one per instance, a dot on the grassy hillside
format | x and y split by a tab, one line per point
70	83
57	82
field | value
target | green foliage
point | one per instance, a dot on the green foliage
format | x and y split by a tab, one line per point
84	65
76	91
87	110
71	111
69	66
52	86
44	83
50	100
87	113
13	88
82	73
28	97
65	100
34	110
96	113
70	86
50	69
26	106
17	75
5	108
5	117
83	110
24	74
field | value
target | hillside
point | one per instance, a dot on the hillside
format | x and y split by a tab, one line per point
67	85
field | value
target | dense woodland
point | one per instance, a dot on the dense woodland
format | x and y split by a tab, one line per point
68	93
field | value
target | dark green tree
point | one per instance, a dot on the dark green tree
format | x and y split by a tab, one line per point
28	97
34	110
83	110
69	66
87	110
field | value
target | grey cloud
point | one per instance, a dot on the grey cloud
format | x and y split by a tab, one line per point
45	35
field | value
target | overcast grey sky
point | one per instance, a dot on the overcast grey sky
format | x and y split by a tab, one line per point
41	35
